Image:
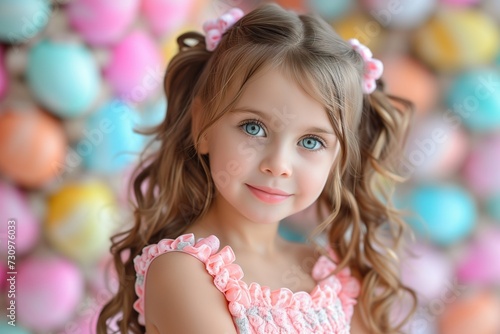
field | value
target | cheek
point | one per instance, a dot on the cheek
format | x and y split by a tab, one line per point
313	184
226	161
313	178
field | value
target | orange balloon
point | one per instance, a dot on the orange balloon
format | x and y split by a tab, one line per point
409	79
476	314
297	5
32	147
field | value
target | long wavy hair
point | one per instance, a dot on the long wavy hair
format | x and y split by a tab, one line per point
173	187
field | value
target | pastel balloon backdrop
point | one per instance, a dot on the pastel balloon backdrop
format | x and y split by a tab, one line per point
49	289
481	169
64	77
481	263
454	39
110	143
444	214
23	20
32	147
135	69
102	22
165	16
407	77
81	217
474	96
436	148
475	312
15	206
403	14
330	10
3	74
416	266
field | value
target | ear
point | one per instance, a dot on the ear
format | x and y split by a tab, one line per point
196	112
203	144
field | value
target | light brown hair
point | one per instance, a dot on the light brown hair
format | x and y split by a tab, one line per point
173	187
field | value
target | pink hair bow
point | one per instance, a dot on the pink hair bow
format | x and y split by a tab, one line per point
373	67
215	28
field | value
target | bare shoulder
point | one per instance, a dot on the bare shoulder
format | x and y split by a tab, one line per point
178	290
357	324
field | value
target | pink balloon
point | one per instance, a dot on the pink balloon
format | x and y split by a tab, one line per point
49	290
481	264
3	275
3	73
15	207
435	148
460	2
415	272
481	170
135	70
166	15
101	22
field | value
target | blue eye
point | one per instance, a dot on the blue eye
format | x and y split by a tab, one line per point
253	128
311	143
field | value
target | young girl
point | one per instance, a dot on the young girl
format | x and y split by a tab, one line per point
268	114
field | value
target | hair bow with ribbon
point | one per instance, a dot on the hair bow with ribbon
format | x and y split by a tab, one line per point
215	28
373	67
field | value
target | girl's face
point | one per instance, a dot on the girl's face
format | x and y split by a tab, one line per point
271	156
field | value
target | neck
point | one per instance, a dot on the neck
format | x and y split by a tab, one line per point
236	230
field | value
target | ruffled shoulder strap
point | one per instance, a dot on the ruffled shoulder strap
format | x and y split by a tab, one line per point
202	249
346	285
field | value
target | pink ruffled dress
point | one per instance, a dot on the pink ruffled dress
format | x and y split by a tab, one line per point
257	309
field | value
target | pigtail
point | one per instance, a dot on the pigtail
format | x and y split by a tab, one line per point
170	174
367	215
383	131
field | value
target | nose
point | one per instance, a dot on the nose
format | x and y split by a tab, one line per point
277	161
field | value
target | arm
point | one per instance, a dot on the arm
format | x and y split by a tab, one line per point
180	297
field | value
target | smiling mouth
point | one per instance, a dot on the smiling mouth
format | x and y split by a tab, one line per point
268	195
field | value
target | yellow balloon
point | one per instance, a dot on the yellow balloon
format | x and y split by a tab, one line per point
455	39
80	220
169	47
361	27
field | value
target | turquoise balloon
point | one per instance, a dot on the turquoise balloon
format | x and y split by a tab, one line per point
8	329
23	20
154	114
109	143
329	9
475	97
493	206
64	77
445	214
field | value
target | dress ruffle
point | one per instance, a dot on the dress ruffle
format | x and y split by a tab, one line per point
256	308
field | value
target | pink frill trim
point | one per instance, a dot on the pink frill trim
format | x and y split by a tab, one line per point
240	296
349	287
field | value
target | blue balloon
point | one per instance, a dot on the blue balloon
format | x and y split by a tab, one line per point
475	97
6	328
23	20
330	9
64	77
109	143
445	214
493	206
154	113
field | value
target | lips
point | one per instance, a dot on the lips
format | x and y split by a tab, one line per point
268	195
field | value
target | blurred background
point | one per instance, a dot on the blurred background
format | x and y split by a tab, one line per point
77	76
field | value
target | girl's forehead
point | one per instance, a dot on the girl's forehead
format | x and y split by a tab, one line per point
273	94
275	87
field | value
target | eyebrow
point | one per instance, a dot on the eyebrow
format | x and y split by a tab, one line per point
251	111
265	116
